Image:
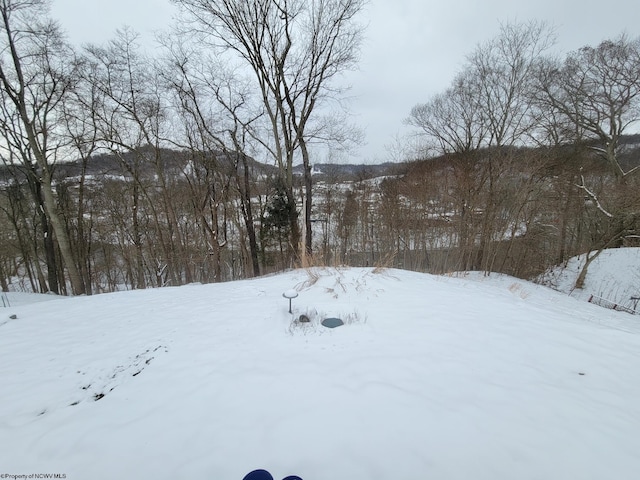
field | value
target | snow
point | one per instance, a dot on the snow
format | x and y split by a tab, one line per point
291	293
430	377
613	275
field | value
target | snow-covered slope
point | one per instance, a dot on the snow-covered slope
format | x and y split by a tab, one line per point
431	378
613	275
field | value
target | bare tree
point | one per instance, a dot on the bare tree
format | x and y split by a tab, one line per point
595	92
215	113
453	121
80	127
115	82
134	126
455	125
598	89
294	49
36	72
505	69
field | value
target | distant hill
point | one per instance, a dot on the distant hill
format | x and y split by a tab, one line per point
111	164
329	172
105	163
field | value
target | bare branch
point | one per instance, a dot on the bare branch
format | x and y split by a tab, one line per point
594	197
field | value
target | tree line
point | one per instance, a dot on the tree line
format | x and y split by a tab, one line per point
236	80
516	106
525	159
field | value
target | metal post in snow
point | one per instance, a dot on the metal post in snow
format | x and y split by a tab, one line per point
290	294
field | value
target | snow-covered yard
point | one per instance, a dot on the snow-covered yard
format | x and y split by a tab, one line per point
431	378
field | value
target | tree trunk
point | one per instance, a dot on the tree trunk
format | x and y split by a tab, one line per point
84	259
50	252
294	228
3	278
35	187
245	195
139	280
308	186
62	236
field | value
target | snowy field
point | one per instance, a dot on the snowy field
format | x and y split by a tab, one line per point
431	378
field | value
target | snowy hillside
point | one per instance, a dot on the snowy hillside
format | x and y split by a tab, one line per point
613	275
431	378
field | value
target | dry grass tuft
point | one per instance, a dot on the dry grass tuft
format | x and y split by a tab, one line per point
386	262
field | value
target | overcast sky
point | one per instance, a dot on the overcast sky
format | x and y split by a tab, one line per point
412	48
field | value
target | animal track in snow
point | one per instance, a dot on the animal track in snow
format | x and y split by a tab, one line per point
105	384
